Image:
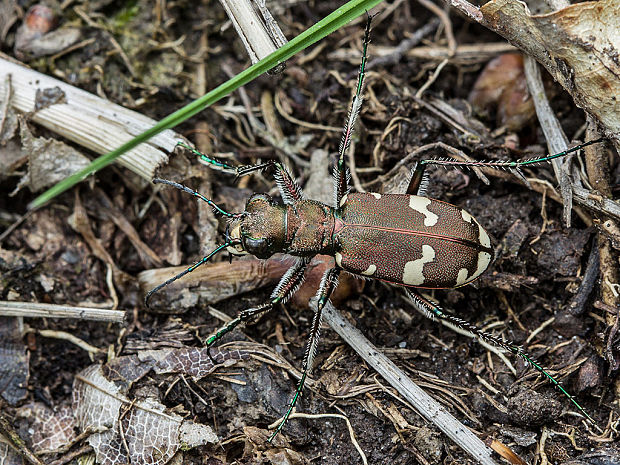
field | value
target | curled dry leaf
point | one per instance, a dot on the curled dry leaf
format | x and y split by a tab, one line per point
502	85
578	45
190	361
125	430
50	161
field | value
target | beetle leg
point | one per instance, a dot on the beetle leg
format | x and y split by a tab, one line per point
328	284
419	180
433	310
287	286
219	165
289	189
513	166
341	172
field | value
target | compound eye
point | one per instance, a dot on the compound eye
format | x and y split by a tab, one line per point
258	247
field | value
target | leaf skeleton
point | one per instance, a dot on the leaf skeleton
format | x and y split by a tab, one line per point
408	240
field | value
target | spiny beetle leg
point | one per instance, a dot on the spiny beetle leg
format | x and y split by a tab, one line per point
289	189
433	310
287	286
514	166
244	316
328	284
418	181
341	173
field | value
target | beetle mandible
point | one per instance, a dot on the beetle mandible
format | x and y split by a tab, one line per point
408	240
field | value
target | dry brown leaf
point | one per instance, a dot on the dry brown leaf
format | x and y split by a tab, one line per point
50	161
505	451
501	85
578	45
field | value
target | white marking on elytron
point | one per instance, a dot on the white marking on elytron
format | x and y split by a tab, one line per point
461	278
420	204
370	270
343	200
466	216
483	236
375	195
338	258
484	258
413	273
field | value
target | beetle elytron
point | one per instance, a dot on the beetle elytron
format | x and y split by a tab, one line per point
408	239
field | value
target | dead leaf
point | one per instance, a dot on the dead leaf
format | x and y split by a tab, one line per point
501	86
14	361
36	36
505	451
142	431
257	449
578	45
51	161
50	430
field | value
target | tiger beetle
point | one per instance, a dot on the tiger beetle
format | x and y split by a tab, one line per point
408	240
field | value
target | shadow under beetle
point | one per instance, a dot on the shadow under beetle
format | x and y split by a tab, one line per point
409	239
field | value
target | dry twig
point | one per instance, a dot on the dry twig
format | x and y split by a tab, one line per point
425	405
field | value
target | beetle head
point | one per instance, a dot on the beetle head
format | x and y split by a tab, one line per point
260	230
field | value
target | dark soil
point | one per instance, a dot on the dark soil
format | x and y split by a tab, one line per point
537	274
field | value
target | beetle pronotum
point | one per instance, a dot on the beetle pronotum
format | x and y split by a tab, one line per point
409	240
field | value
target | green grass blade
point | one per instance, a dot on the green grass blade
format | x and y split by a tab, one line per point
326	26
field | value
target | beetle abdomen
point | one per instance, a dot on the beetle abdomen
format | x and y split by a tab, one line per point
410	240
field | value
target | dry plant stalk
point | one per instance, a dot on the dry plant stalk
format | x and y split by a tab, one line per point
424	404
86	119
40	310
260	38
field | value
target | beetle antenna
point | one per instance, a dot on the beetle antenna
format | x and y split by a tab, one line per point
189	269
219	165
216	208
356	103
